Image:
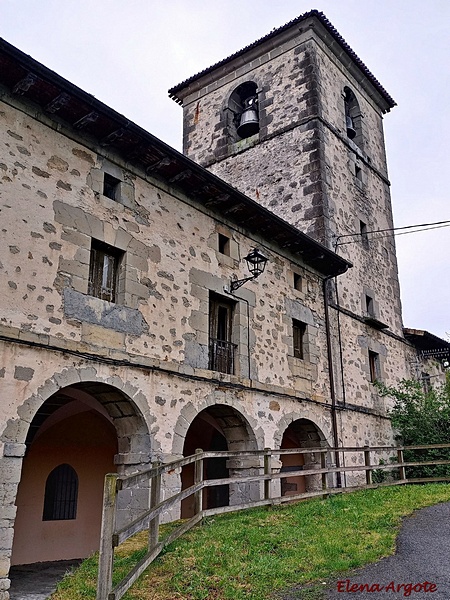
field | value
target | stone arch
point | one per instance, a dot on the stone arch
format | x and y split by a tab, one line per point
190	412
353	117
320	419
114	418
301	433
220	427
242	111
116	395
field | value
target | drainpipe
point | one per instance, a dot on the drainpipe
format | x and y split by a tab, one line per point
331	377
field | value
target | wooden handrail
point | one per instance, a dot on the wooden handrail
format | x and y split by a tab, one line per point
149	520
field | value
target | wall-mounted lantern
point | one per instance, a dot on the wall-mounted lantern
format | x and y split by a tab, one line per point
256	263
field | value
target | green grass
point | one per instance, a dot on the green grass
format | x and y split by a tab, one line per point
252	555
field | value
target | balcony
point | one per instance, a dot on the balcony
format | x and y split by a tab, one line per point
221	356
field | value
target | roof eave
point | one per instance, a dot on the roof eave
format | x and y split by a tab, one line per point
137	146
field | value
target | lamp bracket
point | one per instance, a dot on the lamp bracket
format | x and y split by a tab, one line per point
237	283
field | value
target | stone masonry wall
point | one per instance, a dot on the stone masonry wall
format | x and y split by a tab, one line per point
278	167
50	214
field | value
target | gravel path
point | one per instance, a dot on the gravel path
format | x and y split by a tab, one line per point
423	555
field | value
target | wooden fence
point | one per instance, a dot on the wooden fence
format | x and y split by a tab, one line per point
365	462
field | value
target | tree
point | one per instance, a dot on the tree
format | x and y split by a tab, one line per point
421	417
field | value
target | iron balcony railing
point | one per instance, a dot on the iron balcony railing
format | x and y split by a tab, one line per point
221	356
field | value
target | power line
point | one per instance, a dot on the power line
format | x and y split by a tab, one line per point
389	232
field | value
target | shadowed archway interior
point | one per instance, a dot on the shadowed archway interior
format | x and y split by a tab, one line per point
301	433
74	439
218	427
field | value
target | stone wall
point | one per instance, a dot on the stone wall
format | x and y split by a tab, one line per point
51	213
142	360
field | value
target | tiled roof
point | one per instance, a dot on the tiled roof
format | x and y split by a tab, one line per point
173	92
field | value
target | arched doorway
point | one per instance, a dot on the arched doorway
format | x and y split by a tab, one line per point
301	433
75	438
219	427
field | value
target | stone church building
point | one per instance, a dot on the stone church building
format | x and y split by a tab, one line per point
125	335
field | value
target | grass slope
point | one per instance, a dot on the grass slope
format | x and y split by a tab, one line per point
253	554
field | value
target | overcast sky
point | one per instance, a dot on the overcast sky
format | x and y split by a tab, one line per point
129	53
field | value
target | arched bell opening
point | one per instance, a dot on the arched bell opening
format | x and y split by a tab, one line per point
243	112
215	428
301	433
75	438
353	122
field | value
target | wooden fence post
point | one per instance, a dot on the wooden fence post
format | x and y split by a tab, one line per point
401	470
367	463
267	471
323	465
106	557
198	478
155	499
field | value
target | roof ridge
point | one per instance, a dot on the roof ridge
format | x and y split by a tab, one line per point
276	31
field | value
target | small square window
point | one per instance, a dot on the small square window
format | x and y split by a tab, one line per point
358	173
299	335
374	366
111	187
298	282
224	244
103	271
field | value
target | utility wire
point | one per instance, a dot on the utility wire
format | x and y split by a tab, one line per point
423	226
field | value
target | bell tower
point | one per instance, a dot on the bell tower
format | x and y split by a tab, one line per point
295	121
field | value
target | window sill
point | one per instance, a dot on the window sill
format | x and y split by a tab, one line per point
374	322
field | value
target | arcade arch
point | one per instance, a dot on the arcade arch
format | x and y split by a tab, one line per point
220	427
301	433
84	430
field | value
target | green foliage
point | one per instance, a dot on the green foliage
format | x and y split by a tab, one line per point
422	418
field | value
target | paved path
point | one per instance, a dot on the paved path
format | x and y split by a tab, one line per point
423	555
38	581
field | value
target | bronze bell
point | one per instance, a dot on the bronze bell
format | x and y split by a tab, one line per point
351	131
249	123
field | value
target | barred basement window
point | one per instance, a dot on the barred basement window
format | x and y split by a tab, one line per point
103	271
61	494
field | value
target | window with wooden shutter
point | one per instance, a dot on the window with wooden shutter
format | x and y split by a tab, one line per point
103	271
299	333
221	348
